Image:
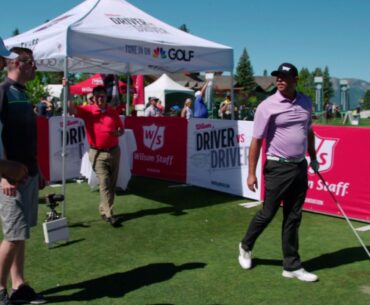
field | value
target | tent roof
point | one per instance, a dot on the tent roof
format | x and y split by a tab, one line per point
165	83
113	36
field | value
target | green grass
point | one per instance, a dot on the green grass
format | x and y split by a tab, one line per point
339	122
179	245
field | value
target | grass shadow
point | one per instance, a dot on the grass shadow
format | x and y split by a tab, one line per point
181	198
337	258
116	285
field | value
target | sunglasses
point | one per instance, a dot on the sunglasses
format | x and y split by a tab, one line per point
28	61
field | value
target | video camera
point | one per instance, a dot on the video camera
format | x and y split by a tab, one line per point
52	201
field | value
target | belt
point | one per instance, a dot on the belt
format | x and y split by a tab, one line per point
104	149
283	160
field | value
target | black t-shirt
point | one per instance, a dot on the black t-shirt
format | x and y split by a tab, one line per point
19	134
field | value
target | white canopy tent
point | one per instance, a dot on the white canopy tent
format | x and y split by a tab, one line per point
113	36
165	86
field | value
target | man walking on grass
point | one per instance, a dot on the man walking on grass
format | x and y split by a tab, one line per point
284	121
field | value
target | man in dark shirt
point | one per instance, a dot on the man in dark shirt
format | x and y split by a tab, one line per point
18	202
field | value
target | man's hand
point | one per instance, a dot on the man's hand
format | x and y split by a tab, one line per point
8	188
252	182
13	171
315	165
117	133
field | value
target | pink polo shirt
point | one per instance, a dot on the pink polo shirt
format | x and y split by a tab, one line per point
284	124
98	125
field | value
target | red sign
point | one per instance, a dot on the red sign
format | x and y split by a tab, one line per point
161	147
343	154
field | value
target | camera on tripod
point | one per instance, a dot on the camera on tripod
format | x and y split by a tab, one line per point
52	201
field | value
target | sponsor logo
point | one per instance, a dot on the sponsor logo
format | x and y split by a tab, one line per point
153	136
138	24
324	153
174	54
159	53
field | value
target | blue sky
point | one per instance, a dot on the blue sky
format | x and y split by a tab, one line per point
307	33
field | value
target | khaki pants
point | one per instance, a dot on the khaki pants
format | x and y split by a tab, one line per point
106	165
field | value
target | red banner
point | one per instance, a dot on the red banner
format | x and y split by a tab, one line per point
343	154
138	81
161	147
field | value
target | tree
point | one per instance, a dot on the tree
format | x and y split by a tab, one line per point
265	73
16	32
244	73
366	102
328	91
36	88
184	28
306	84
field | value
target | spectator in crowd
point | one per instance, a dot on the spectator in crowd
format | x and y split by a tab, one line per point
160	107
89	100
151	109
103	127
200	108
226	108
44	107
186	111
18	201
283	120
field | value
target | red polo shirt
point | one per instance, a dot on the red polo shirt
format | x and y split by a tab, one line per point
98	125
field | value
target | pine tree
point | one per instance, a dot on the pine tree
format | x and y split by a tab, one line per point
306	84
184	28
244	73
328	91
366	102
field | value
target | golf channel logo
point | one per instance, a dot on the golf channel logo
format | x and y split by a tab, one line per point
173	54
153	136
324	153
159	53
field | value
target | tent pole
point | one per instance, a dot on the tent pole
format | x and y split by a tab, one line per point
128	94
232	95
64	133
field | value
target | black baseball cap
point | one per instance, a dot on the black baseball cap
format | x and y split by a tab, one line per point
287	69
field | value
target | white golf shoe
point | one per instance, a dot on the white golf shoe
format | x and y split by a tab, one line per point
245	258
301	275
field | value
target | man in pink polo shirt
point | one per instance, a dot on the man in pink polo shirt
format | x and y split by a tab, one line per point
283	120
103	127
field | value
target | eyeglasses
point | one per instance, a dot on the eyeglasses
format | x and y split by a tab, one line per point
100	96
28	61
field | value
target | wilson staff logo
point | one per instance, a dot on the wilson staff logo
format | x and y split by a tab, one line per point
324	153
153	136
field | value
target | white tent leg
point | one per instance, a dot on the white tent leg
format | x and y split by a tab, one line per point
64	133
128	94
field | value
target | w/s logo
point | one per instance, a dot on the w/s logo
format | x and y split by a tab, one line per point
324	153
153	136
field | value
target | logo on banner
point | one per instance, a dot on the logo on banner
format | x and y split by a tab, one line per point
153	136
324	153
159	52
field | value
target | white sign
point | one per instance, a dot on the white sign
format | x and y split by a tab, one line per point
76	144
218	156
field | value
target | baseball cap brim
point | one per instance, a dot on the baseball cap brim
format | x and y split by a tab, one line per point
276	73
4	52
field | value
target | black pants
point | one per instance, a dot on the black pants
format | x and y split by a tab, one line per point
284	183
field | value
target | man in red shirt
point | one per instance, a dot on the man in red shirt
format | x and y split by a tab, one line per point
103	127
